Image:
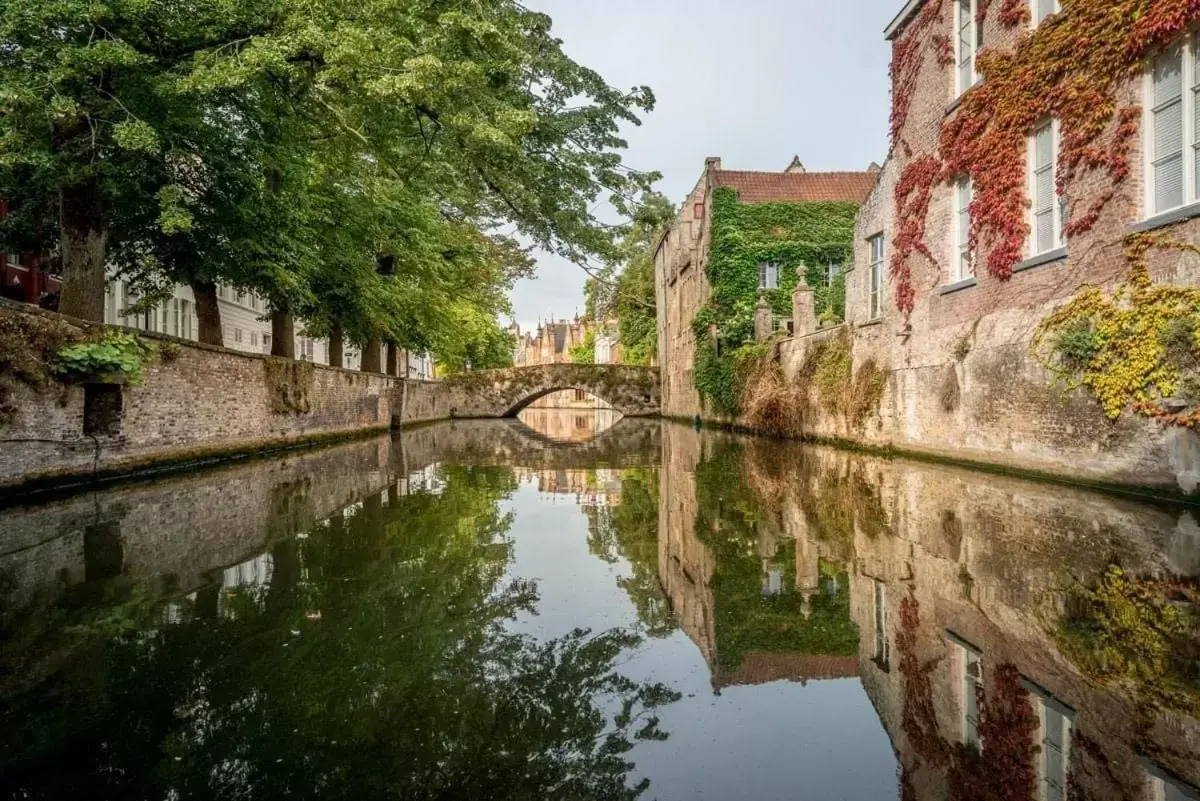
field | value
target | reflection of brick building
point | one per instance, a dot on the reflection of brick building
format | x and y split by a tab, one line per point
961	575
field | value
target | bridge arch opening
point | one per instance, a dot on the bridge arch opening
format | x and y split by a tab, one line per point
564	397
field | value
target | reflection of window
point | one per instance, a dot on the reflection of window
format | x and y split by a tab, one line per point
969	678
883	651
773	581
1054	731
768	275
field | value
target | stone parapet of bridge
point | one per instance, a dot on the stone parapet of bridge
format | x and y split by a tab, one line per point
632	391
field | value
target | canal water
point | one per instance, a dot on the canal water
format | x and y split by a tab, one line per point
574	607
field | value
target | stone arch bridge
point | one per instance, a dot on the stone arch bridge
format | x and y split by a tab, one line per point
632	391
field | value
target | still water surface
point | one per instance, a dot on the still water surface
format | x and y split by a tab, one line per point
518	610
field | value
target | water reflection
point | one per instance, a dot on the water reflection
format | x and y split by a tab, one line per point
570	424
474	611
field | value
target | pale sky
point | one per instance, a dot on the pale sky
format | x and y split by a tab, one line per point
752	81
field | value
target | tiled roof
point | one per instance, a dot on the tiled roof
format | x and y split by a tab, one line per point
798	187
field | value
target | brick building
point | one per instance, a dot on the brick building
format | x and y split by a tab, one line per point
551	343
681	259
959	376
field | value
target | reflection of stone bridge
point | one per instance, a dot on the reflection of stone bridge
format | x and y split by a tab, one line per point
630	443
632	391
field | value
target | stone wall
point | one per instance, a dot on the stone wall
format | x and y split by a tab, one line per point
196	402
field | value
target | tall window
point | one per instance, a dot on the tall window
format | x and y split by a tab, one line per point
832	271
768	275
961	268
1044	8
13	260
1172	144
969	664
966	43
185	319
1046	225
875	277
1055	735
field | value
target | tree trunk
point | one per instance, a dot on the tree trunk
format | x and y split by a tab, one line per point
283	335
393	360
372	356
336	340
208	313
84	246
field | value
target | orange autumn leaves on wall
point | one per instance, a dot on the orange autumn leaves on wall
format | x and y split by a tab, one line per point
1069	68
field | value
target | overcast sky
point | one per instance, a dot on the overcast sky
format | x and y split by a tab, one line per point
752	81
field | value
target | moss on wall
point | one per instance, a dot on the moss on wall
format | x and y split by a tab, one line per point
289	383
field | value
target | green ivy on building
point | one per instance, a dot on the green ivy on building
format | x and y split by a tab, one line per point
744	236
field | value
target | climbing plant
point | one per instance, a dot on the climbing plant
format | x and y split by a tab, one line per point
745	235
1069	68
1135	347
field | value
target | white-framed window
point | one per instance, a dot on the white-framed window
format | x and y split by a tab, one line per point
112	303
1171	144
966	44
13	260
254	339
968	664
237	335
1055	723
875	277
1042	9
768	275
1047	210
962	265
266	343
883	650
1168	787
241	298
184	320
832	271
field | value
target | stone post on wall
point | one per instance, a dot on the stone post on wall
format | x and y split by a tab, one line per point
804	305
763	320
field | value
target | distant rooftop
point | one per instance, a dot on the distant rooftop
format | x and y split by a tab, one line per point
798	187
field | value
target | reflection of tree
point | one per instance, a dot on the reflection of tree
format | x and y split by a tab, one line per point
630	531
758	605
378	663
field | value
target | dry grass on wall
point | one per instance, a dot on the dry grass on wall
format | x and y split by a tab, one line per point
774	405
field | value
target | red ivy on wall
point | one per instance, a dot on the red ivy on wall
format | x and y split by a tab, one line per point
1069	68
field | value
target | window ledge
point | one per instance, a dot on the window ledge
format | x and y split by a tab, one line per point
957	286
1040	260
876	321
1167	218
955	103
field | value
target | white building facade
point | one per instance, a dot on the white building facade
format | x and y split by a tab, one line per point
245	322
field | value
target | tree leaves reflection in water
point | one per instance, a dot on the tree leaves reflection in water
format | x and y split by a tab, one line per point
377	661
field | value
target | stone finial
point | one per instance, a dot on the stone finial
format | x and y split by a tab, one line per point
802	278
